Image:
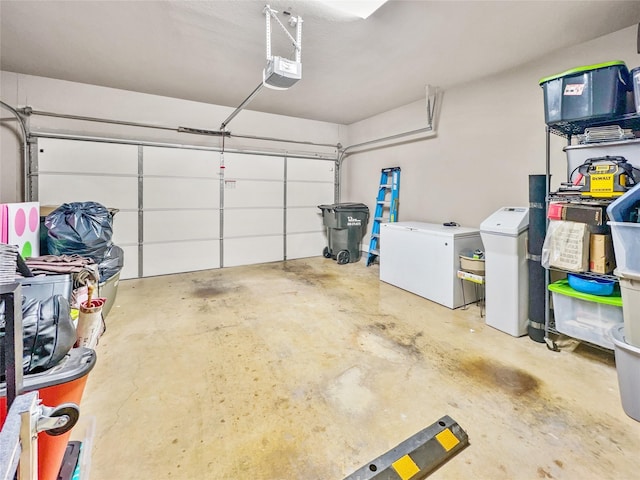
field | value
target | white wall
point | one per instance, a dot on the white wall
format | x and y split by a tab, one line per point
490	137
59	96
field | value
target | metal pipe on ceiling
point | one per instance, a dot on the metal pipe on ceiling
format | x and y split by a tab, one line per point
30	111
431	97
345	152
66	116
25	149
299	142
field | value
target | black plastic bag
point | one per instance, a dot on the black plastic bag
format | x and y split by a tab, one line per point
47	333
112	263
81	228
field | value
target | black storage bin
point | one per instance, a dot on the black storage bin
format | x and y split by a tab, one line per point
589	92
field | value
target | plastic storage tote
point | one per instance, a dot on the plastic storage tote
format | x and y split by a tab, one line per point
583	316
635	80
345	224
630	290
621	209
628	369
589	92
43	287
626	246
61	384
109	289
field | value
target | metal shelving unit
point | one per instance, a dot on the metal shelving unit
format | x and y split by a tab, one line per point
568	130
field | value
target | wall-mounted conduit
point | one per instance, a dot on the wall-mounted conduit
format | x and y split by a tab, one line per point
25	149
388	141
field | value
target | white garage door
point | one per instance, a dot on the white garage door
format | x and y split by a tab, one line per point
72	171
174	217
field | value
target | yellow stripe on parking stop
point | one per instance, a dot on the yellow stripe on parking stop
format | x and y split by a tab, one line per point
447	439
405	467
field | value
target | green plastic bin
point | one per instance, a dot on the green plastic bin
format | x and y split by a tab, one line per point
584	316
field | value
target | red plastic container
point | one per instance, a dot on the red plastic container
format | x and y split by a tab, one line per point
63	383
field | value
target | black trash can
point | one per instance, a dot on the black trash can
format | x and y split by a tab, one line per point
345	224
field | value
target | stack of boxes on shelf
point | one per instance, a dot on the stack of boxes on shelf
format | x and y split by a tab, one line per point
578	241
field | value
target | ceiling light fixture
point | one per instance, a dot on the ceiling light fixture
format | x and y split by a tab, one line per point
357	8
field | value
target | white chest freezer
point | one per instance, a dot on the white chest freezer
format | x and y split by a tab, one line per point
423	258
504	234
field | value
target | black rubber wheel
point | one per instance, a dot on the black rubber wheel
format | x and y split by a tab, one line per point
69	410
343	257
326	253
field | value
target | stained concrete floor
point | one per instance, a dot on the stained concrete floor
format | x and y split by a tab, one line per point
306	369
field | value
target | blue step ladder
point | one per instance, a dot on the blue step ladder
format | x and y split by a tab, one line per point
385	204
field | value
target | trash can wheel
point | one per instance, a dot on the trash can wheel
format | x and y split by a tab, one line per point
343	257
326	253
72	414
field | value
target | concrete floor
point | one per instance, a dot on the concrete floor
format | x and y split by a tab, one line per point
307	369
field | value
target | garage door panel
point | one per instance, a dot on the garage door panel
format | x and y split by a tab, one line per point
243	222
179	162
251	250
302	245
175	225
249	193
125	228
238	165
176	257
186	193
112	192
308	194
130	267
86	157
304	169
304	219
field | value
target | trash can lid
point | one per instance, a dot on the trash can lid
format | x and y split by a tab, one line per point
77	363
351	206
344	207
330	206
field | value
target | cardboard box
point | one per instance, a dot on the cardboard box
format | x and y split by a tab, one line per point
47	209
601	256
591	215
566	246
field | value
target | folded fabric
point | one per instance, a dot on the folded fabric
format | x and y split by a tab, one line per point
84	269
70	260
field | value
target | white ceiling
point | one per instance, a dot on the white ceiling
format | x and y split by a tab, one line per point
214	51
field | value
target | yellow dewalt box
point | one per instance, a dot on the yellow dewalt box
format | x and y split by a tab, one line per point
606	177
